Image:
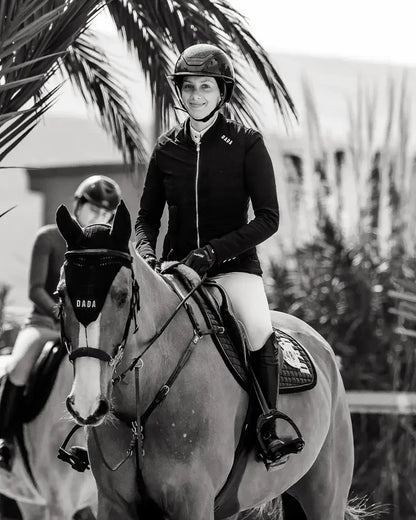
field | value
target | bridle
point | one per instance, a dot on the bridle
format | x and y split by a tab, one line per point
126	260
118	258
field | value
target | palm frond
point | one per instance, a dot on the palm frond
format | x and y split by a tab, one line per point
145	35
34	33
158	31
7	210
24	123
37	35
236	29
92	74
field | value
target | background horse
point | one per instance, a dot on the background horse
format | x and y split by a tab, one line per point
60	491
190	438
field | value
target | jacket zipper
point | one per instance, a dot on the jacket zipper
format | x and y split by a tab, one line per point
198	145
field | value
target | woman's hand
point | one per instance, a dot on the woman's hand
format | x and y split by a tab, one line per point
201	259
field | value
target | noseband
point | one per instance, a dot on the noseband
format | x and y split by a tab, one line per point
83	262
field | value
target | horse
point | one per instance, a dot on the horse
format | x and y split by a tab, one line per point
185	450
53	490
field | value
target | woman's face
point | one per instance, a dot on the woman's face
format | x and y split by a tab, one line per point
88	214
200	95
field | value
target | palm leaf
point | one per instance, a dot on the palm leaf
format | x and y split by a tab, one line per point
24	124
158	31
92	74
34	33
145	36
7	210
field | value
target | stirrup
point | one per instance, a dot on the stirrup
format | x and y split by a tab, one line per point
6	455
76	456
279	455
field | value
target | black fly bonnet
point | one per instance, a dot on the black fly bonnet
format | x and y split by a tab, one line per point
90	272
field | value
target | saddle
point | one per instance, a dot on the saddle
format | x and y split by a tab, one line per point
297	372
41	380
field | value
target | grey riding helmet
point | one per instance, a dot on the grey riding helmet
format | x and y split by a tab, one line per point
205	60
100	191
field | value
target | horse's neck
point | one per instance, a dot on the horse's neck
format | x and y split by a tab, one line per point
157	303
157	299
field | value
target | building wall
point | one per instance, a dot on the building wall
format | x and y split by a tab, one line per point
17	232
58	185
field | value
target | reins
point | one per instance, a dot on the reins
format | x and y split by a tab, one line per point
137	426
181	304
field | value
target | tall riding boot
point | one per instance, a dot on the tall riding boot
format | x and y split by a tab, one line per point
266	370
10	402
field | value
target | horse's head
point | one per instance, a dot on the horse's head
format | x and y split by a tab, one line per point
98	295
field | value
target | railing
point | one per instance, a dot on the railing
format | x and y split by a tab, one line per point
406	308
393	403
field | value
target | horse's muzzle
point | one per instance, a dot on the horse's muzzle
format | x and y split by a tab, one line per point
93	419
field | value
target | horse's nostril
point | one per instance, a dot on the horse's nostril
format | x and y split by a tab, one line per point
70	401
69	405
103	407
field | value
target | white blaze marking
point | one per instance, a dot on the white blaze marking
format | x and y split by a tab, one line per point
86	389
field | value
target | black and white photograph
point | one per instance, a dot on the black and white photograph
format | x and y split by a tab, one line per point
207	260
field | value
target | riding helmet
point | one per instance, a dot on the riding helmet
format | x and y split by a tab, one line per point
205	60
100	191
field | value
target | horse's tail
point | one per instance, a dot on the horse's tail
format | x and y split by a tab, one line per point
359	509
272	509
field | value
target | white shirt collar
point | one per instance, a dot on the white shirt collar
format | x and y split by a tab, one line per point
196	136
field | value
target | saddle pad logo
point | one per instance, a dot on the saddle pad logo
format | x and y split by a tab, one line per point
292	356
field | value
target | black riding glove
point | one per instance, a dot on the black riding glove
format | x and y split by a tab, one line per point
201	260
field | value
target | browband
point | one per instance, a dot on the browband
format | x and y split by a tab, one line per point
97	252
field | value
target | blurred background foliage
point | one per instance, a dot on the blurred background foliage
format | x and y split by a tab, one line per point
350	273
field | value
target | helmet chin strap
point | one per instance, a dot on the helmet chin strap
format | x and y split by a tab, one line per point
203	119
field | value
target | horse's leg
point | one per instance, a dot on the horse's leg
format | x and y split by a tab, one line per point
118	495
188	500
323	491
33	512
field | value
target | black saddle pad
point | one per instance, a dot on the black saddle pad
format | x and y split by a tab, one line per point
42	379
298	372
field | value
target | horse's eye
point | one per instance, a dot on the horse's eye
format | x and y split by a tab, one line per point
120	297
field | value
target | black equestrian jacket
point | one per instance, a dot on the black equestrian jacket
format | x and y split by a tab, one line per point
208	188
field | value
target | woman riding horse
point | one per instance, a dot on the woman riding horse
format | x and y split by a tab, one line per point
207	170
95	201
164	416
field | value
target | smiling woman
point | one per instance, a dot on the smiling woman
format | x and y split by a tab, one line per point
201	96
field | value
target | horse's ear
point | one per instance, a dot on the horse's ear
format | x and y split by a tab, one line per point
121	229
68	226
